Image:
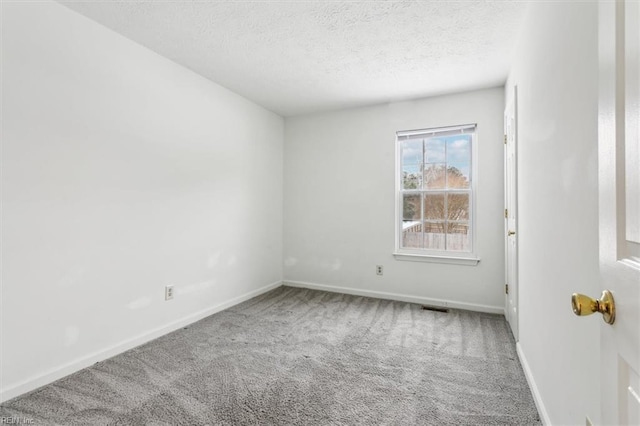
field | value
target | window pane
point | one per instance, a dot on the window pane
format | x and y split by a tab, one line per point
434	151
434	235
412	176
458	206
412	234
434	206
459	149
412	152
411	207
458	175
458	236
434	176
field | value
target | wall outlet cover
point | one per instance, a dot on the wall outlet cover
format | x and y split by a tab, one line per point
168	292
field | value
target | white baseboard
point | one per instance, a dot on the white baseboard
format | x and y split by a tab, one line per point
88	360
544	416
399	297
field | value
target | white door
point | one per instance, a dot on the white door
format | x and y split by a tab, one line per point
619	192
511	211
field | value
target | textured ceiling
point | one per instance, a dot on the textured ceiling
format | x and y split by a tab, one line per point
296	57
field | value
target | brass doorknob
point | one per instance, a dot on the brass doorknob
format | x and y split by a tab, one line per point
510	233
584	305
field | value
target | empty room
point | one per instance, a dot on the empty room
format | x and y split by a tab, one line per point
320	212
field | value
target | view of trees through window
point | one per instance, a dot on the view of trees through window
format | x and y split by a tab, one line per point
436	192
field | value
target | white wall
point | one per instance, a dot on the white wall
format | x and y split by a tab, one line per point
556	73
339	201
122	172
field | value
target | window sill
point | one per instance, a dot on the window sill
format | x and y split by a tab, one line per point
430	258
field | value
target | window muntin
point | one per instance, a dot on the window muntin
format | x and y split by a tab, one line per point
435	191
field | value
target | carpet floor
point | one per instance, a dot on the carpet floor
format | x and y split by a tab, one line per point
295	356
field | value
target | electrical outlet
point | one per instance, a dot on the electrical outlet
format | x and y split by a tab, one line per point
168	292
379	269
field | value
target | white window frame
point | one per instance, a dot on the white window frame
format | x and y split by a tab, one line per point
438	256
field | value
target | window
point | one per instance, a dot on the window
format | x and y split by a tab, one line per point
435	192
